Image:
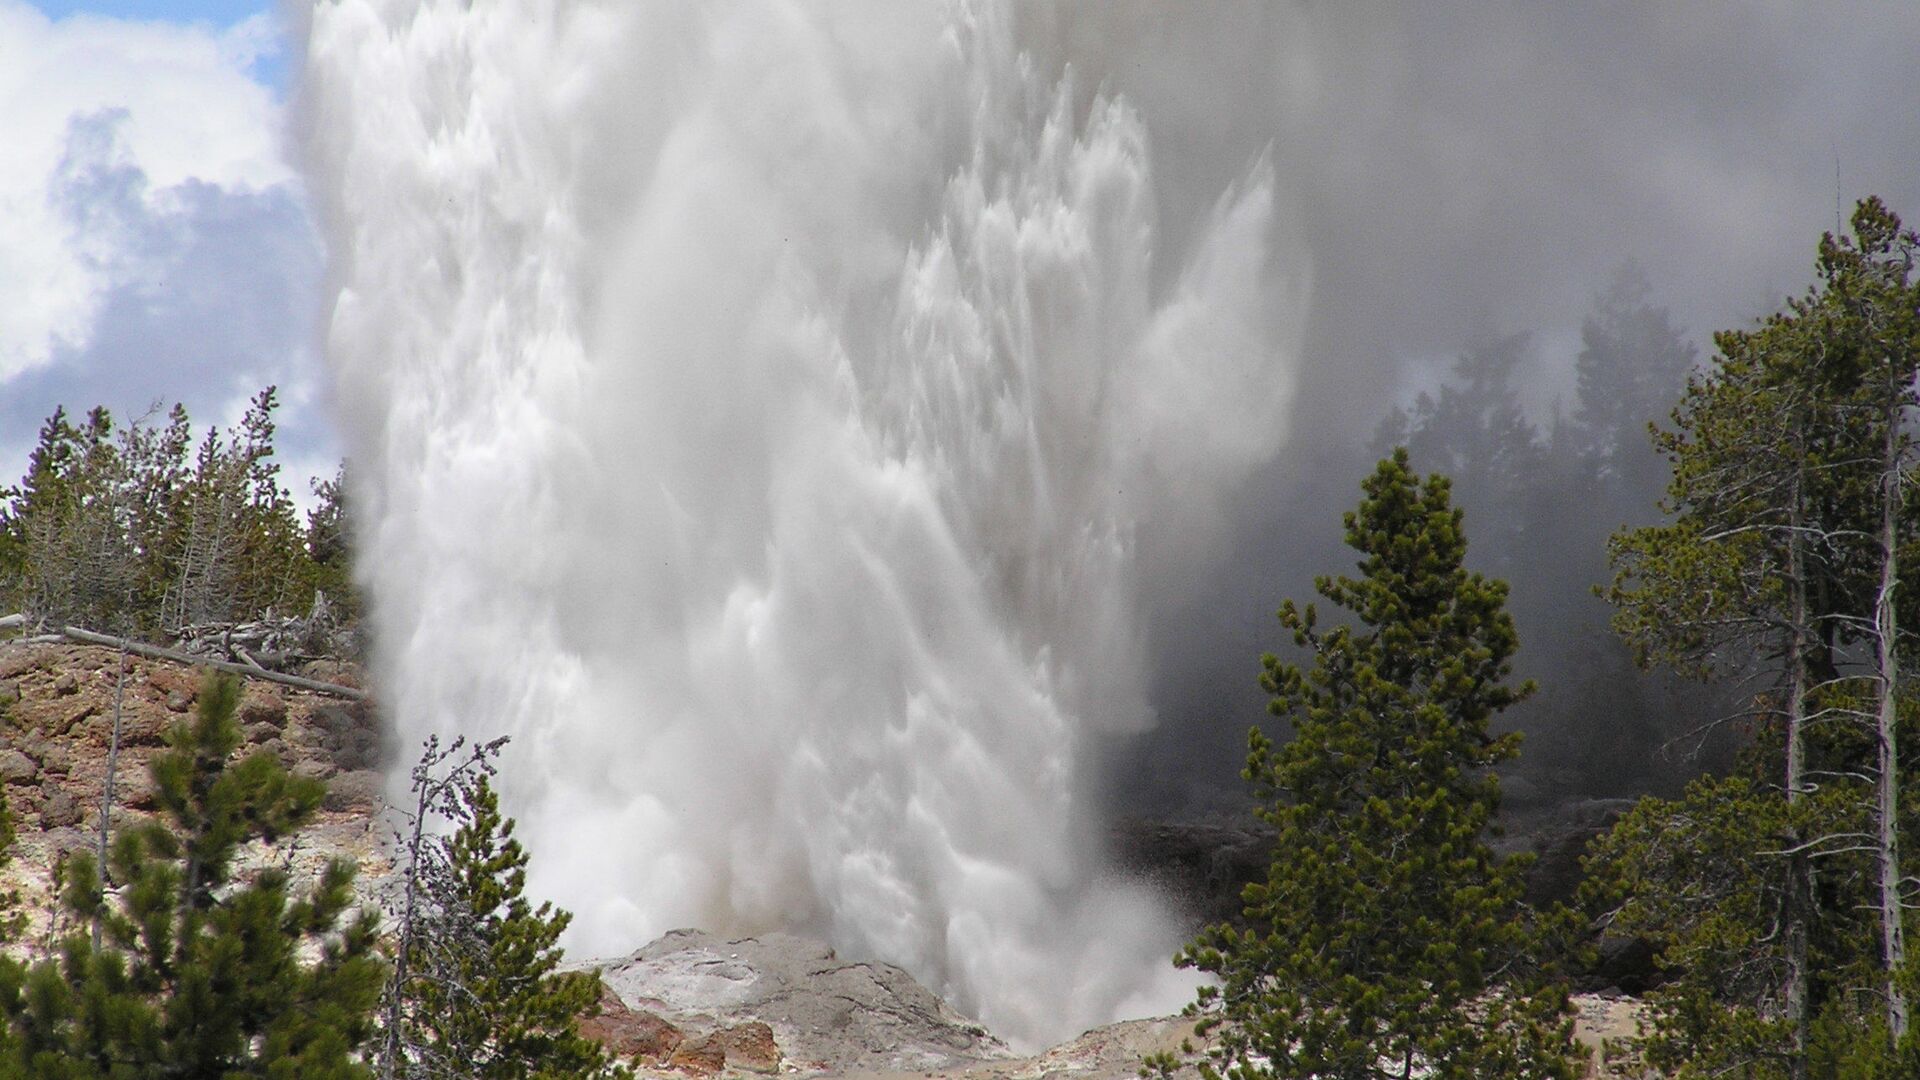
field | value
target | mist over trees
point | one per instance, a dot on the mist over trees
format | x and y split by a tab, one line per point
1542	498
1776	891
1544	478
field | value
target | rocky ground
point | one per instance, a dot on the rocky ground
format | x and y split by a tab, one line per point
694	1003
689	1004
58	704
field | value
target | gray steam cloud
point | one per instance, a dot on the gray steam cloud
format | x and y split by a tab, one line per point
1462	171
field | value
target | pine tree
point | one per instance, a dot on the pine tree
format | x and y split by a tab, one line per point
486	999
1388	939
1790	458
199	974
1873	302
329	544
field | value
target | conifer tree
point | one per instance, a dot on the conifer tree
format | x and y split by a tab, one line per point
1388	939
1633	363
486	999
199	974
1790	458
138	529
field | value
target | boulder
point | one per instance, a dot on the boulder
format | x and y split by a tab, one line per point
333	718
68	839
66	683
64	723
56	759
749	1046
819	1012
701	1057
262	706
17	768
313	769
15	662
359	749
60	810
354	791
337	672
137	792
142	727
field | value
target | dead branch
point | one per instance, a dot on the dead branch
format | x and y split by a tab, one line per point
157	653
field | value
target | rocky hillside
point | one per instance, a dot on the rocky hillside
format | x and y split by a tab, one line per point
58	703
689	1004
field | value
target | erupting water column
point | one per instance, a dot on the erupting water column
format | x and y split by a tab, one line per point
759	408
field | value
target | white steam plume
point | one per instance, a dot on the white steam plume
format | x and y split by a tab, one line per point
760	408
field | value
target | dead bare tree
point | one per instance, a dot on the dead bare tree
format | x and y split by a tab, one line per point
430	938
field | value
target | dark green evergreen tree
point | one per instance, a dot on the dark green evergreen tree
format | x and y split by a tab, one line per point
1388	940
199	974
39	494
1790	458
486	998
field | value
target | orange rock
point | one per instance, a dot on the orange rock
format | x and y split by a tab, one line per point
750	1046
631	1034
701	1057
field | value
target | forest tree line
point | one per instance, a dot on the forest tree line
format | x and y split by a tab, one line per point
141	528
1543	497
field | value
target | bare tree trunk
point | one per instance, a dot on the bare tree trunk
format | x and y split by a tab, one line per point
88	637
1892	935
403	950
1799	900
106	788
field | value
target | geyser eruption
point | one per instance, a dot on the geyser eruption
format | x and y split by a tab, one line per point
767	413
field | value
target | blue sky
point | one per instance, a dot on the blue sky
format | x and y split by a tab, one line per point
220	12
272	70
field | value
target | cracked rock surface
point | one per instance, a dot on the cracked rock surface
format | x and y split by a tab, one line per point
827	1014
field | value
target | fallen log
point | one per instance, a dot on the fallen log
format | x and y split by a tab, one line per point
12	622
155	652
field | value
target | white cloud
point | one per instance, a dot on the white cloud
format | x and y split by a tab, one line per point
157	246
183	109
